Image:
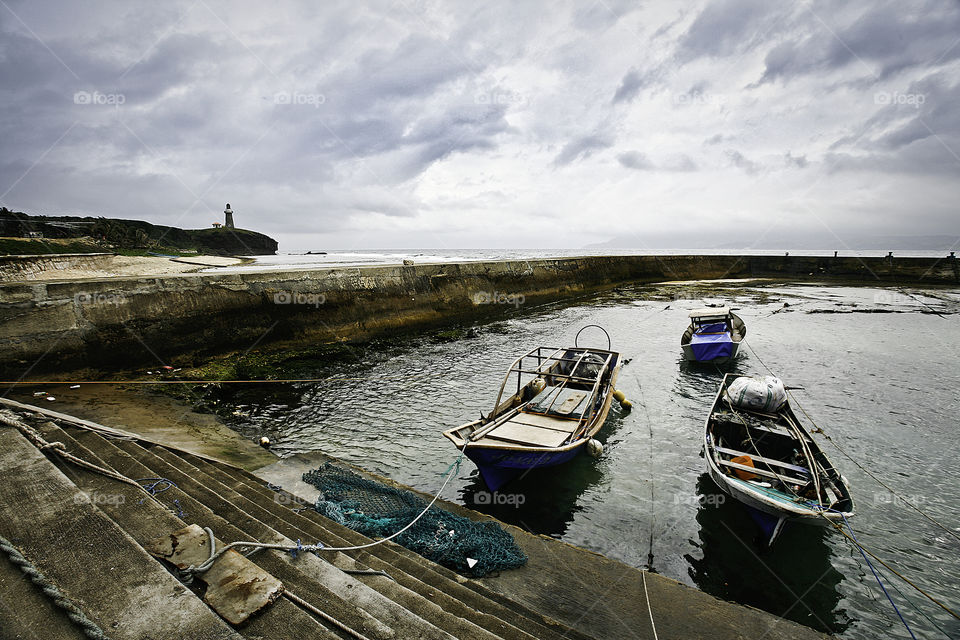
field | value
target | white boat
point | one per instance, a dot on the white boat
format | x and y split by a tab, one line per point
770	463
714	335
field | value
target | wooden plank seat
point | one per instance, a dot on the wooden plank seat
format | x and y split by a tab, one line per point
762	472
768	461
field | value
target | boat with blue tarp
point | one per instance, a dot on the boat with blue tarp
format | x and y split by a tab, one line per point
714	335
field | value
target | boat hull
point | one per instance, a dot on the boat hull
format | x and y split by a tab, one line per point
690	357
499	466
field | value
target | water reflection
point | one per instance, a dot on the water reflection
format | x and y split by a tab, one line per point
794	579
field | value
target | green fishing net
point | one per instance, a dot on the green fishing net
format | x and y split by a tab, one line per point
378	511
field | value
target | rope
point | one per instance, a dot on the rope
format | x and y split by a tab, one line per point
894	571
299	548
649	610
89	628
60	449
880	582
325	616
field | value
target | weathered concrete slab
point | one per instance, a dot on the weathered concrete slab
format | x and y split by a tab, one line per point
236	588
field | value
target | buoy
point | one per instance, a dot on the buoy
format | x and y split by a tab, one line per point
619	396
264	442
594	448
626	404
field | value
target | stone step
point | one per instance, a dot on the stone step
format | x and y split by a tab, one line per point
449	589
146	520
283	615
310	577
429	604
93	561
394	555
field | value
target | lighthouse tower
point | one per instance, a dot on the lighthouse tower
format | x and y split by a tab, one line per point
228	217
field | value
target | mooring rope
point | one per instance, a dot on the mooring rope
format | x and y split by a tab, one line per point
88	626
879	581
646	596
60	449
323	615
297	548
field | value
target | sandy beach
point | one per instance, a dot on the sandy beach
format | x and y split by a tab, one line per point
116	266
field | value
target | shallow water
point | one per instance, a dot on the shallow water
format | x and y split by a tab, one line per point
879	373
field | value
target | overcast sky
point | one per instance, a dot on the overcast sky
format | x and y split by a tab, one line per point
418	123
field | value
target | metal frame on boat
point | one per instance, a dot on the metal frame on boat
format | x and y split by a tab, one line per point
771	464
562	398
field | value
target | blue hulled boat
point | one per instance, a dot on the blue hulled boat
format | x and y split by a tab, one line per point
562	398
714	335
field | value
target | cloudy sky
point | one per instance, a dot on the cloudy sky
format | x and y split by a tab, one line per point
419	123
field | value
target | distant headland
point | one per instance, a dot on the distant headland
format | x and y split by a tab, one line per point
21	233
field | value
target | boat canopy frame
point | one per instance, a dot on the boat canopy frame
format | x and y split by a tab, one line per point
546	366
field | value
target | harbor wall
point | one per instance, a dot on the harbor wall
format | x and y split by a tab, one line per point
117	321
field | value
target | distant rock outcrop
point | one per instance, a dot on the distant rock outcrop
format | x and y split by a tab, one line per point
113	233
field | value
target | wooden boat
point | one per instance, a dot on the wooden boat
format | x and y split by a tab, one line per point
714	335
770	463
562	398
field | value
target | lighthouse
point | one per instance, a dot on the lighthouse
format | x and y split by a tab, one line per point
228	217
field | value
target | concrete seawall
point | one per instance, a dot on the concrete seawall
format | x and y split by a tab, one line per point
128	320
26	267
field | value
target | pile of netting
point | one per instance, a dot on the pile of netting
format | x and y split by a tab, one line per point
378	511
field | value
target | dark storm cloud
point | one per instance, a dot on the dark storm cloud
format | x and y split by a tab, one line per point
725	27
916	130
631	85
742	162
876	42
640	162
582	147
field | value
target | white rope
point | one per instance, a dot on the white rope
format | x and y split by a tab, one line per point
646	595
214	553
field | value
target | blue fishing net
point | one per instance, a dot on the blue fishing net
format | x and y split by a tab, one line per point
378	511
